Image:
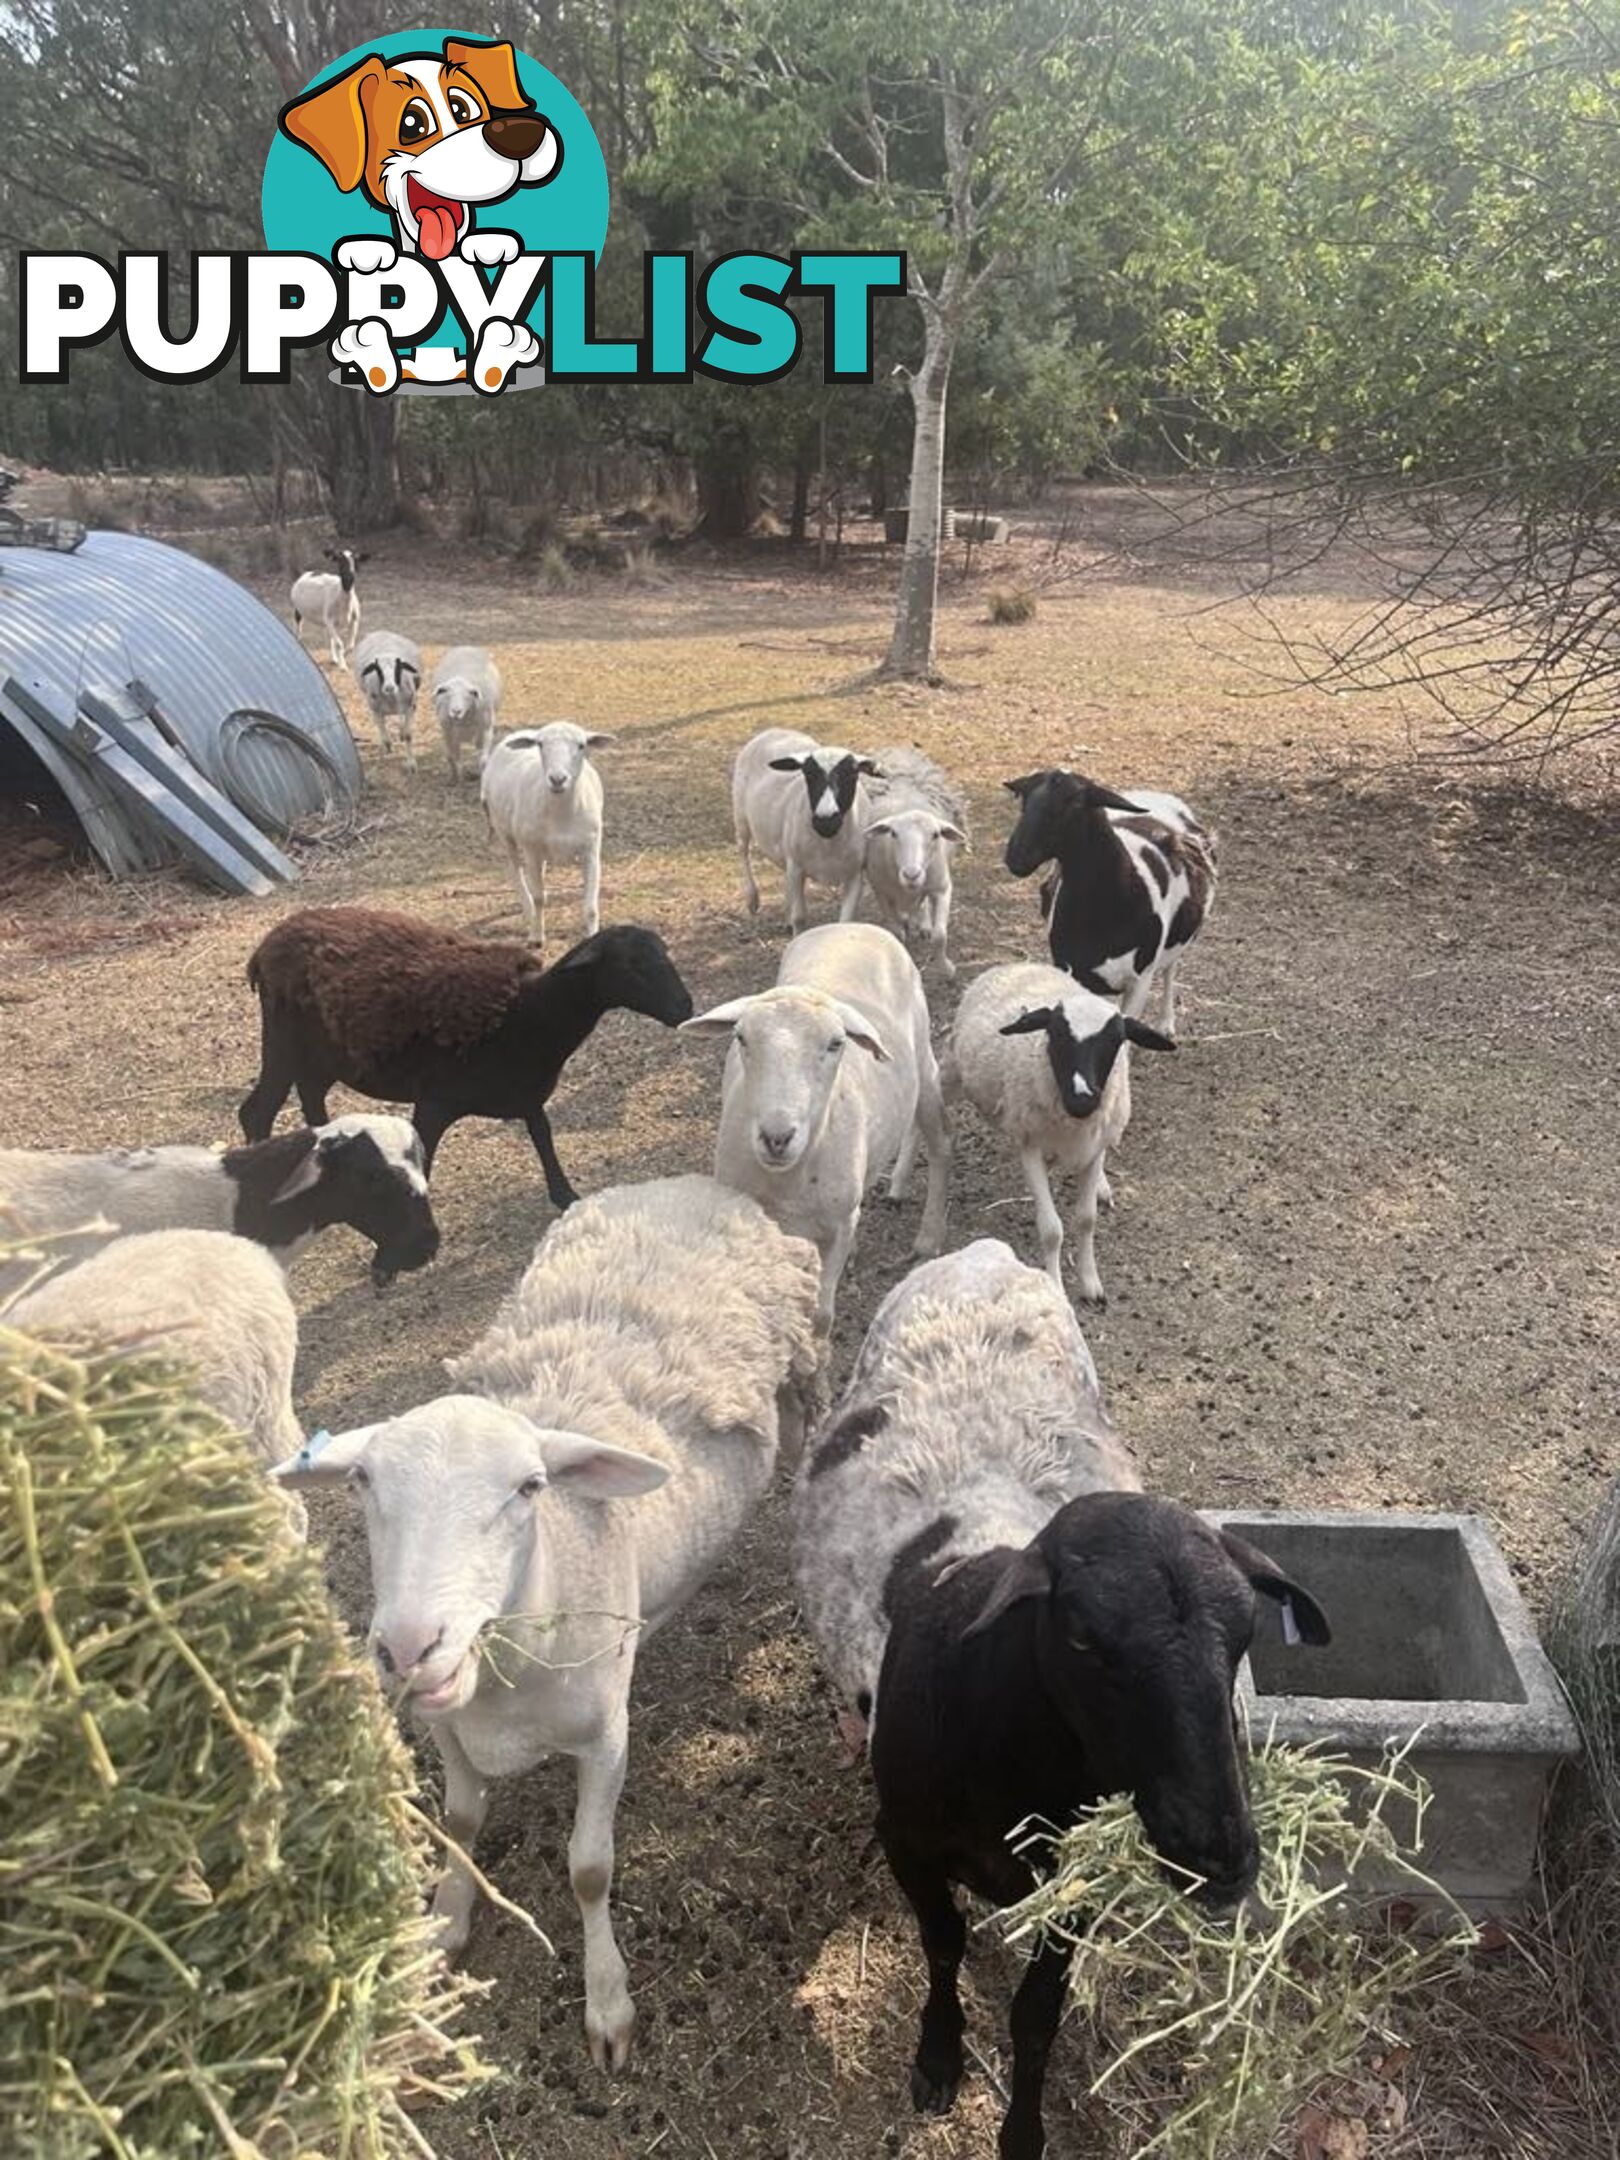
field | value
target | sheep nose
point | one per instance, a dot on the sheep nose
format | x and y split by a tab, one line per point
776	1140
401	1651
911	877
514	135
559	781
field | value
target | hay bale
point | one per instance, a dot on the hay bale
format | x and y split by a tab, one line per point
212	1937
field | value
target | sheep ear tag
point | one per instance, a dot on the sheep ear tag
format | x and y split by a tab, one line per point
324	1459
1290	1624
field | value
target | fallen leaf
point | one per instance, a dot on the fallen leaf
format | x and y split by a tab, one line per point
1492	1937
1550	2046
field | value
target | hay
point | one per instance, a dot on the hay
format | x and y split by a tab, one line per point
1213	2031
212	1938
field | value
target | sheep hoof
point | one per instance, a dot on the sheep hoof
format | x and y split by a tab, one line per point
609	2038
933	2089
1094	1300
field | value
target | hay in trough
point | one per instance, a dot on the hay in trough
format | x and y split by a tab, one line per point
1210	2031
212	1939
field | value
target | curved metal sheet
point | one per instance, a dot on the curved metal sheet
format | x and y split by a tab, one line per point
121	609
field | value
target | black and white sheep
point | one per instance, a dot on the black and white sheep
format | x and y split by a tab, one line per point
330	598
1133	885
916	817
1029	1631
454	1025
801	803
365	1171
388	669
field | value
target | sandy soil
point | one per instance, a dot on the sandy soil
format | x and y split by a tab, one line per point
1364	1253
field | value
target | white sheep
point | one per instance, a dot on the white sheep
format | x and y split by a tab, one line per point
543	798
915	818
829	1080
331	599
467	703
1048	1065
802	805
388	669
642	1353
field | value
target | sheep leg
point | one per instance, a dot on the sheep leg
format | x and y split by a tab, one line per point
936	1133
1048	1222
745	849
1083	1223
833	1262
466	1798
796	911
849	905
562	1194
261	1106
432	1122
312	1101
936	2071
593	887
514	863
939	923
1036	2009
609	2012
538	888
1167	1011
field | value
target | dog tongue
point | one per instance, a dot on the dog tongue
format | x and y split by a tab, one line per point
436	228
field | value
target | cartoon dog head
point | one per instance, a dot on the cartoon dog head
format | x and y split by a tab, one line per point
428	136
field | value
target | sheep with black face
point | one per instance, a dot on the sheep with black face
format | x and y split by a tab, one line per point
802	804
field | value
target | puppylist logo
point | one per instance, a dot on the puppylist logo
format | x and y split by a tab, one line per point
434	209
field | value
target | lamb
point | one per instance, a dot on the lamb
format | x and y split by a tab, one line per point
362	1170
467	700
813	824
1048	1065
642	1353
916	817
455	1025
388	668
1030	1630
1132	889
331	599
805	1125
543	799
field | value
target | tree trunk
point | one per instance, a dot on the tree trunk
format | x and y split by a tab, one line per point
799	515
726	485
911	649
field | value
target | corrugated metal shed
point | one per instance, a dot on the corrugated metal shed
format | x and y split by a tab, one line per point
120	610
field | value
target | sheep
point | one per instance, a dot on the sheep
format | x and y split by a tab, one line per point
455	1025
801	804
1029	1629
915	818
643	1352
805	1127
388	668
1132	889
330	597
1048	1065
543	799
363	1170
467	700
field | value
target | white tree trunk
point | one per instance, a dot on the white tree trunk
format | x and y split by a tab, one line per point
911	649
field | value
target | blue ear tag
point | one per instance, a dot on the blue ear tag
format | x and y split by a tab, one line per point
305	1458
1290	1626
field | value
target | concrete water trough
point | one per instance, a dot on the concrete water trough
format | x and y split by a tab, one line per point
1432	1644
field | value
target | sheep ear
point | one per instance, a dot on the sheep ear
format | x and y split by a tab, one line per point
870	767
1026	1576
596	740
718	1020
1033	1022
594	1471
880	825
788	764
1099	797
1147	1038
953	833
324	1459
302	1179
1026	786
1303	1619
860	1030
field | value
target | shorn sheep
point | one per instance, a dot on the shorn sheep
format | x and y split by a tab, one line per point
830	1080
388	669
467	704
1030	1631
364	1171
802	805
642	1353
916	817
455	1025
1048	1065
331	599
543	798
1132	888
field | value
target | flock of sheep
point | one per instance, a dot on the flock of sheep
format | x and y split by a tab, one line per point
1014	1628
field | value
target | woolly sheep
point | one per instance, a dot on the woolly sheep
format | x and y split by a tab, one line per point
802	805
643	1352
915	818
1048	1065
467	701
831	1078
543	798
331	599
388	669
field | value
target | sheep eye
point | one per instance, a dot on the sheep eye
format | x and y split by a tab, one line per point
462	108
531	1485
360	1479
416	122
835	1046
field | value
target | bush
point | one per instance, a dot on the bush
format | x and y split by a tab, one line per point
554	571
1011	604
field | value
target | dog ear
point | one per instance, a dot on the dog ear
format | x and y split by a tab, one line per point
494	69
331	121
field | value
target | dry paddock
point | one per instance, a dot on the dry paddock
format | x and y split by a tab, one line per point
1364	1255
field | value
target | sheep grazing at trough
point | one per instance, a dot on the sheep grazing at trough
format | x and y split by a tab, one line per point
364	1171
455	1025
388	669
802	805
1048	1065
515	1571
467	704
915	819
1030	1632
829	1080
329	598
543	798
1132	888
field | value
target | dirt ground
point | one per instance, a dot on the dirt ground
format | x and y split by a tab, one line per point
1364	1254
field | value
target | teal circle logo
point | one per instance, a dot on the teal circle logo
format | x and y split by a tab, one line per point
429	142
